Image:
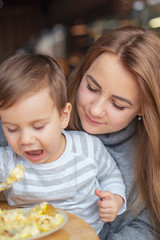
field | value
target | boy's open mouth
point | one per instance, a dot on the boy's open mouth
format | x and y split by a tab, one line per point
34	152
34	155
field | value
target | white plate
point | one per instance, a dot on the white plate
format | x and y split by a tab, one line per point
43	234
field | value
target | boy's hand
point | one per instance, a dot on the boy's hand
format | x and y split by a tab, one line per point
109	205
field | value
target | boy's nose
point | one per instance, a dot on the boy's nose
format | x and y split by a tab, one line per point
26	138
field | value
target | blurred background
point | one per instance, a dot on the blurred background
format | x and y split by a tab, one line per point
66	28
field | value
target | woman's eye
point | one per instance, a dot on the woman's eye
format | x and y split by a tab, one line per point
117	106
91	88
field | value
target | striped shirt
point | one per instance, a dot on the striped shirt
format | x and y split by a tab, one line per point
70	181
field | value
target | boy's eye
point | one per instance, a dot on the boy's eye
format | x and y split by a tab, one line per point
12	130
117	106
38	127
91	88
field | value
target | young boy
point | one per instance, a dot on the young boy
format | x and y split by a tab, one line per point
71	170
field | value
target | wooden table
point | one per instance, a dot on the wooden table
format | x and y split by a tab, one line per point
75	229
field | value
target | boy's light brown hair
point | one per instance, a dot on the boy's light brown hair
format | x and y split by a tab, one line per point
23	74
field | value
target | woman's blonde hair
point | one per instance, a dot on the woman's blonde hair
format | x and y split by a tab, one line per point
138	50
26	73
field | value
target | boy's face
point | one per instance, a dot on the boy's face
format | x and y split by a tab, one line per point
33	127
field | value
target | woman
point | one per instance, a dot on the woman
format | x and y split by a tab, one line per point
115	94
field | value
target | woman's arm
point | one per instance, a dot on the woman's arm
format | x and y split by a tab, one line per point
128	228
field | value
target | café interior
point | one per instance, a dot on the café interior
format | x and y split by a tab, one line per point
64	28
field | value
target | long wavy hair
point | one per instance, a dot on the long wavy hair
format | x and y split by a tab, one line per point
138	50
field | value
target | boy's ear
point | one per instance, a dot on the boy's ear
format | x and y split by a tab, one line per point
65	115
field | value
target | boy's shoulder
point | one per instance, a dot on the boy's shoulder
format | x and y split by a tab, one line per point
83	134
79	133
85	144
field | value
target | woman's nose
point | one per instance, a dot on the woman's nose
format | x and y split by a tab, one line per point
26	138
98	108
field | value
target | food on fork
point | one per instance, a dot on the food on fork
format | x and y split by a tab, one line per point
18	224
14	175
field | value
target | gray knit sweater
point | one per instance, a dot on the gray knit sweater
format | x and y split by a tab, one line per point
122	145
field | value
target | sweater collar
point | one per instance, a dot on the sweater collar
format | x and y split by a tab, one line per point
120	136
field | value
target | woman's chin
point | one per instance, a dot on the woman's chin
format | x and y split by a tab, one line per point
91	130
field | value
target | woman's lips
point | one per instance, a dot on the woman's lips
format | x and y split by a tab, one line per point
90	121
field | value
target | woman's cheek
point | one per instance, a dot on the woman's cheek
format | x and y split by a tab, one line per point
83	97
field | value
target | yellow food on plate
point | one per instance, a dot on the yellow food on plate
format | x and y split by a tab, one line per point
19	224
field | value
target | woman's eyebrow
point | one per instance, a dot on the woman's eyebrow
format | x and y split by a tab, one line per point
123	99
94	81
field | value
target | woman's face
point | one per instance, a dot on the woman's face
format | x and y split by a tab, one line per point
108	98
